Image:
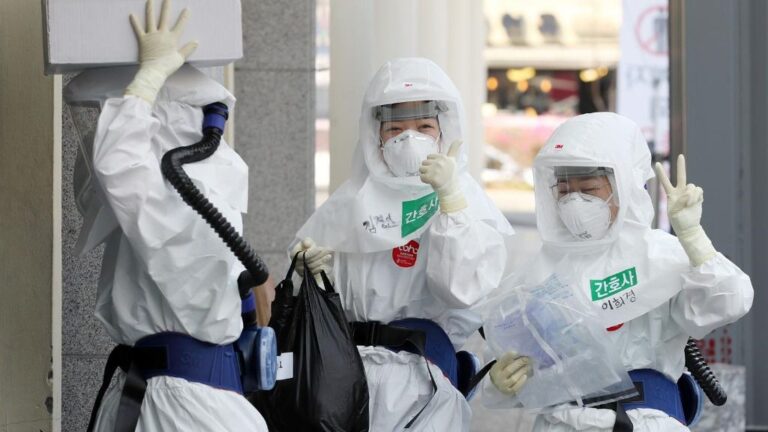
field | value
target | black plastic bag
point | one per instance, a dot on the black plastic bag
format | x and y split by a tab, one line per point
328	391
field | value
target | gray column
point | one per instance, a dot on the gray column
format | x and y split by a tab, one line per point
756	83
85	344
722	110
274	120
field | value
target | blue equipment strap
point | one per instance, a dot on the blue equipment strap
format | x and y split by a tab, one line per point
373	333
165	354
248	304
438	347
424	338
655	391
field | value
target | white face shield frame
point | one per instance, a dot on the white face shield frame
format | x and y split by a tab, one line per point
577	202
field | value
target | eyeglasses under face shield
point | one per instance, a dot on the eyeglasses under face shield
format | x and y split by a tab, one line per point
409	110
587	181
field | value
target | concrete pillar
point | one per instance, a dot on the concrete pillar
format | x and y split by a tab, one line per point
30	225
365	34
719	121
275	122
85	343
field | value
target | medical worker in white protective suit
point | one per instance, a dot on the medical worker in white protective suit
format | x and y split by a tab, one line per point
652	290
415	240
164	269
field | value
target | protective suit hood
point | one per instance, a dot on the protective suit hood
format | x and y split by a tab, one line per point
633	268
189	87
595	140
374	210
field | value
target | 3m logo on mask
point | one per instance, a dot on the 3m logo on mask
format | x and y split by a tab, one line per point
417	212
613	284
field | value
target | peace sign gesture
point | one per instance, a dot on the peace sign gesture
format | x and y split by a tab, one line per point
684	199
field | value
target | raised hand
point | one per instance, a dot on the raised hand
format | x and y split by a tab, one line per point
684	210
439	171
159	55
684	199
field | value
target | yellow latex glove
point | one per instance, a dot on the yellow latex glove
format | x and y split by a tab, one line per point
158	53
439	171
684	210
510	373
318	259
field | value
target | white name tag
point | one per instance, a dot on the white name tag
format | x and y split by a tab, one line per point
285	366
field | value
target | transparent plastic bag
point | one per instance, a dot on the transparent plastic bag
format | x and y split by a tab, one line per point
573	360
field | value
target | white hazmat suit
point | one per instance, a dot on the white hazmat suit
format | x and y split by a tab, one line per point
651	310
397	256
164	269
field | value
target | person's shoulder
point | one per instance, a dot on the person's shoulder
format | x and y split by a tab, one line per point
665	247
661	235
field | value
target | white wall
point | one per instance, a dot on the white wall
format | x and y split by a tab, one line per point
367	33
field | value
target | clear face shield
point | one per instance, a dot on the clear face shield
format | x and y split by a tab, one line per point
85	95
586	200
85	119
408	133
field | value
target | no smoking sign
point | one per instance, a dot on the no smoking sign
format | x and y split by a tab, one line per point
651	30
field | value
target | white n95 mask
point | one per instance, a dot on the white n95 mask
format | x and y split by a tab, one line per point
405	152
586	217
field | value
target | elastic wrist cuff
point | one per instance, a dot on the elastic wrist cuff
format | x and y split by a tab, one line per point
453	202
697	245
146	84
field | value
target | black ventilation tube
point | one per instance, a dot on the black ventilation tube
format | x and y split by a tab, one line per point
703	375
216	115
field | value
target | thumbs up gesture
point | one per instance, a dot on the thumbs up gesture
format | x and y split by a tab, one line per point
439	171
684	210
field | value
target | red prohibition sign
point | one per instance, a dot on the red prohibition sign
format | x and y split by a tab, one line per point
649	41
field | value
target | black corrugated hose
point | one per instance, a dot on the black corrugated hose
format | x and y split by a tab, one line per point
171	166
703	375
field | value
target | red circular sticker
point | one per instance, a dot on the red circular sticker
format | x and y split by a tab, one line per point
405	256
616	327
